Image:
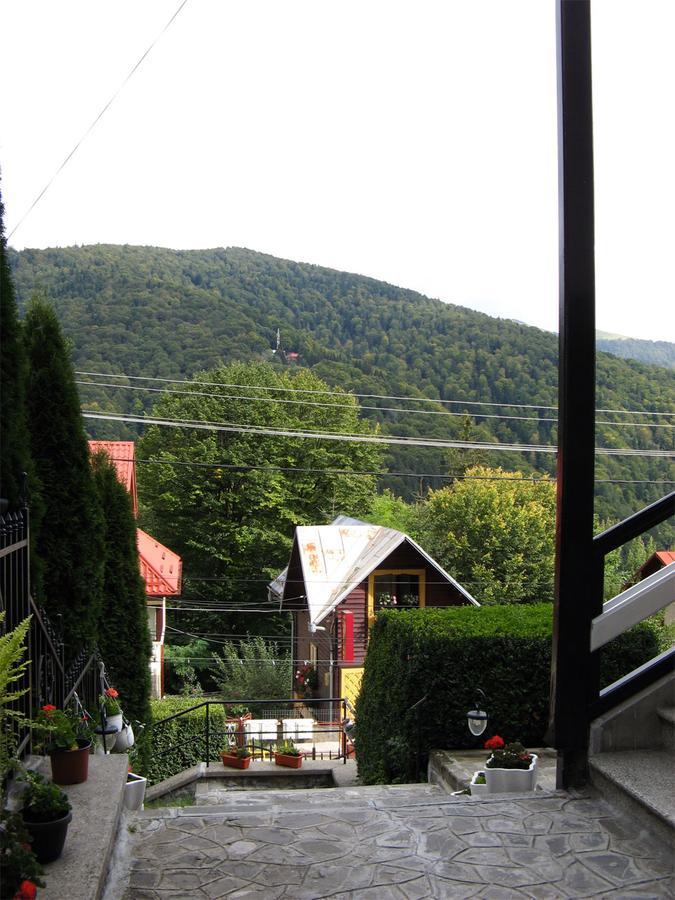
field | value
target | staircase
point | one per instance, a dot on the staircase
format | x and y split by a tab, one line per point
633	757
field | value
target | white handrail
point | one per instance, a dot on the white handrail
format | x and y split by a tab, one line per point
633	605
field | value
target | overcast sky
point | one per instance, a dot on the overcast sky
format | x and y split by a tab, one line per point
414	142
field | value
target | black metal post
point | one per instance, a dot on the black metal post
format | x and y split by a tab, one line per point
208	741
578	591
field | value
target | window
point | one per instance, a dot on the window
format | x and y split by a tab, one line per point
395	589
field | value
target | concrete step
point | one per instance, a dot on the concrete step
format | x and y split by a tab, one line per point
640	783
243	803
666	715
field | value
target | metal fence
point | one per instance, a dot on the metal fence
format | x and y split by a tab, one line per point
46	680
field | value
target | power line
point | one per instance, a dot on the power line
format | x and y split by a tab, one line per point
358	408
93	125
399	440
354	394
243	469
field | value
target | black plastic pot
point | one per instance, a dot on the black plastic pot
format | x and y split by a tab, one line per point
48	838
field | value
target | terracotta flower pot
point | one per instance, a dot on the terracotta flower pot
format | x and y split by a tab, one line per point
48	838
71	766
234	761
291	762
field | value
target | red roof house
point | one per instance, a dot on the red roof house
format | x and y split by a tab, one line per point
161	568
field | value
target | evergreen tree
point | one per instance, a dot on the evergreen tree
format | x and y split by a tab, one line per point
123	636
14	452
70	540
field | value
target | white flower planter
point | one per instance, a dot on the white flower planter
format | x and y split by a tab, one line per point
134	791
477	790
125	739
512	781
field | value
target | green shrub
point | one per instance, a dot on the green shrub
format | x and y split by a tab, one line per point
181	743
445	654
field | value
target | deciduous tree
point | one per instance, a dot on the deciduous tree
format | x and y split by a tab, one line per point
495	536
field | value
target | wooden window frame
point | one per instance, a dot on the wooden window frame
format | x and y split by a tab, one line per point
421	574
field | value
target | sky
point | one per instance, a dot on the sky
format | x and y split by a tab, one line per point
414	142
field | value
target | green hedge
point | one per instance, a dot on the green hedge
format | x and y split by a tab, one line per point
446	654
180	744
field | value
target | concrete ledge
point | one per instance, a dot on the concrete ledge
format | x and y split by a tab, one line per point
82	869
343	774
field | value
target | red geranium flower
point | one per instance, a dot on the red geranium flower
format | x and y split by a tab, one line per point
48	707
27	891
494	743
111	692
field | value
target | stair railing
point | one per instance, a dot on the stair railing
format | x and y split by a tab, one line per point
632	605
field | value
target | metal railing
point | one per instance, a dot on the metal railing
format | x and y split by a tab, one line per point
631	606
46	679
276	721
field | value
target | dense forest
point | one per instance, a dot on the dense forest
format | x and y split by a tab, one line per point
657	353
145	311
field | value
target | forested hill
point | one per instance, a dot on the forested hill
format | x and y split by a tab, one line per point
167	313
657	353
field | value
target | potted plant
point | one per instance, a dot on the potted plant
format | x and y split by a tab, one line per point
478	784
306	681
66	738
46	814
236	757
511	768
287	754
20	872
237	714
109	700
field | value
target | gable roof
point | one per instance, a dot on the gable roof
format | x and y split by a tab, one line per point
121	455
335	558
161	568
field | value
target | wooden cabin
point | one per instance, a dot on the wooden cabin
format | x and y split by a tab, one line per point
338	577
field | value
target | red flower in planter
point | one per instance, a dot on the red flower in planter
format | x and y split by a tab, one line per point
494	743
48	708
111	692
27	891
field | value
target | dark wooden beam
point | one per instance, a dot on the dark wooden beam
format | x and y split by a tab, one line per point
578	591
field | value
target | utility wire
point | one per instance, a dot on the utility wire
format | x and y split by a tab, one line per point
358	408
205	425
244	469
354	394
93	125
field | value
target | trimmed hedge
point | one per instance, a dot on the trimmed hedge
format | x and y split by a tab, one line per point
180	744
445	654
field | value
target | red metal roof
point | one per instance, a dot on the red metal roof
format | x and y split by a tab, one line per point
121	454
666	556
161	568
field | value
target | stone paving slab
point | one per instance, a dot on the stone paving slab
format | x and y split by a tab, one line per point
404	842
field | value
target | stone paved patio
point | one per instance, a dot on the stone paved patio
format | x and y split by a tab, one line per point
408	842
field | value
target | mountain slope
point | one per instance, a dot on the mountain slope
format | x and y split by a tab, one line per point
656	353
166	313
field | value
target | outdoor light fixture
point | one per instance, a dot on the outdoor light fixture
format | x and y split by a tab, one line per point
477	718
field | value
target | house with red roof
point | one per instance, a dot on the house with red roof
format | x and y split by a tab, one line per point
161	568
655	563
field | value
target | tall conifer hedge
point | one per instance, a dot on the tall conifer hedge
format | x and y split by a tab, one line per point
70	539
123	636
